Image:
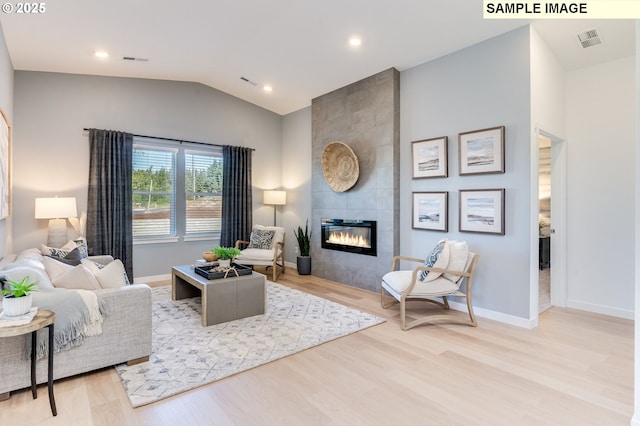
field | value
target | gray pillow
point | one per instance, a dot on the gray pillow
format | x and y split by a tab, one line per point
261	239
74	257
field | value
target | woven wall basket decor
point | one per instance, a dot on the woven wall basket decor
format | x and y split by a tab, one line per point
340	166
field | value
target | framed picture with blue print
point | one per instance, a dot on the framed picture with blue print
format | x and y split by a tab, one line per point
430	211
482	211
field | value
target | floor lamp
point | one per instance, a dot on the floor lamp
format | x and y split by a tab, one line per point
57	210
274	198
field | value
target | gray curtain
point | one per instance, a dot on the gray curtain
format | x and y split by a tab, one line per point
237	206
109	211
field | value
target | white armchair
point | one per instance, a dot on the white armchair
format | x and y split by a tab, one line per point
452	264
265	248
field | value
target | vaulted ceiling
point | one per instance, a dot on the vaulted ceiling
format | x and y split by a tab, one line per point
300	48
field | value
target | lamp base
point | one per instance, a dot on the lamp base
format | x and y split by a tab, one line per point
57	233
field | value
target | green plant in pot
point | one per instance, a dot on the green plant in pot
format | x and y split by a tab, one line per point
304	259
226	255
17	296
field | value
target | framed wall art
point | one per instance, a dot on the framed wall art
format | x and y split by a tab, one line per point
482	211
429	158
430	211
481	151
5	141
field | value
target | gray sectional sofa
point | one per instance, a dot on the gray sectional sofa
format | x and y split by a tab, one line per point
125	337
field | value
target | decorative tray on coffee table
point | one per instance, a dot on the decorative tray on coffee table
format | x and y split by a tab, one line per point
211	272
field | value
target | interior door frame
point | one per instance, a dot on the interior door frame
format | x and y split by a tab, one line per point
558	225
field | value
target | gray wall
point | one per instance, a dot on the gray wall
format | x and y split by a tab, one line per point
6	103
482	86
365	116
51	149
296	176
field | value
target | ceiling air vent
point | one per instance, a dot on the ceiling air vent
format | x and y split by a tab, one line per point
131	58
246	80
589	38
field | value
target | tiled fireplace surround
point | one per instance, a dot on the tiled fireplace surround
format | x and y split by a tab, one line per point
366	116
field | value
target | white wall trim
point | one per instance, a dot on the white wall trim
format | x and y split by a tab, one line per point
534	187
601	309
496	316
151	278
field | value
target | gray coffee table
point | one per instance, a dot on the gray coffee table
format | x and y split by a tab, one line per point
223	300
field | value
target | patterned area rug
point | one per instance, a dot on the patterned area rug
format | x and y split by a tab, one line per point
186	355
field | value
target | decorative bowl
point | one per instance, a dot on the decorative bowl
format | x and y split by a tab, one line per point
209	256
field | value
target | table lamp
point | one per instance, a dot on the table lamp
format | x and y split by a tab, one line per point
57	210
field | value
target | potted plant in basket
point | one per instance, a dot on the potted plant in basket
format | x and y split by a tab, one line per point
226	255
303	260
17	296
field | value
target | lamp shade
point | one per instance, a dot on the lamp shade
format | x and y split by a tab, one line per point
56	208
275	198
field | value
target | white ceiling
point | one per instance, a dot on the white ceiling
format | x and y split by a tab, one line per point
300	47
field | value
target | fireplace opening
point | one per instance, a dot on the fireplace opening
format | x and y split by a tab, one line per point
353	236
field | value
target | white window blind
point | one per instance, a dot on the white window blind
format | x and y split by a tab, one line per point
154	176
203	192
177	191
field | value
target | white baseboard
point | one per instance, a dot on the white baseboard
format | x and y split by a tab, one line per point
496	316
151	278
479	312
601	309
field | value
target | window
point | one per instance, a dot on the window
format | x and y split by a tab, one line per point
203	190
177	191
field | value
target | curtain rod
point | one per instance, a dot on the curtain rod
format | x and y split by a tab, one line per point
174	140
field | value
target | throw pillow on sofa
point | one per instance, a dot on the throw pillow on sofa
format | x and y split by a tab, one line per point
70	253
111	275
70	277
72	258
62	251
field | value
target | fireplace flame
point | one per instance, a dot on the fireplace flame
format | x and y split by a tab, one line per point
347	239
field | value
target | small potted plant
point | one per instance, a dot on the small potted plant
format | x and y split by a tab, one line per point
303	260
226	255
17	296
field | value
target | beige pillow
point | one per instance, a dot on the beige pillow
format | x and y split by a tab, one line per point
68	276
112	275
54	268
458	253
78	277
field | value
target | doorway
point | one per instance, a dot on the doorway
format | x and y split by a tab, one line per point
549	284
544	223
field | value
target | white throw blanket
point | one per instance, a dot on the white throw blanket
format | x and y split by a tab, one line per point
93	327
79	314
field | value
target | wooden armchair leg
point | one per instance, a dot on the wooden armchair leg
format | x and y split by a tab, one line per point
474	323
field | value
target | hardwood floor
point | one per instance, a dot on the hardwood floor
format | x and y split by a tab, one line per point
576	368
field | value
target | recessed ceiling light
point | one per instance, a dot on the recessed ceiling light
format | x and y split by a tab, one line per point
102	54
267	88
355	41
